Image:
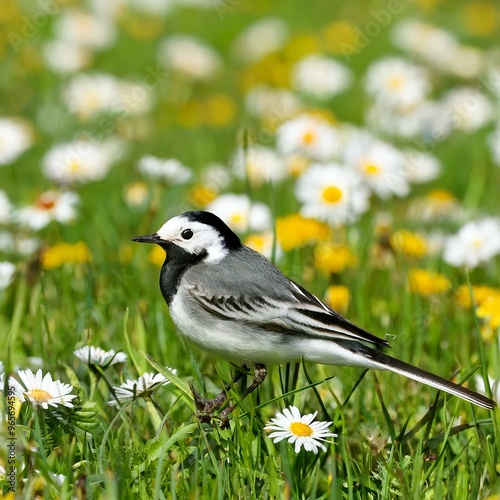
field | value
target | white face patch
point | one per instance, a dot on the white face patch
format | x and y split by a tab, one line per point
204	238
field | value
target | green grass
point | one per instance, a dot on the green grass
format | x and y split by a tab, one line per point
396	438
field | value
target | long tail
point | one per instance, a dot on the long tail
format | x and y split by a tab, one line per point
386	362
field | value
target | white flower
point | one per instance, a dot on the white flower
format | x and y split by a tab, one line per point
466	108
320	76
50	206
309	135
436	46
263	37
260	164
98	356
84	29
494	142
299	429
42	391
7	270
493	383
238	212
190	56
152	7
379	164
139	388
271	104
78	161
171	171
15	138
475	243
420	167
5	207
65	57
87	95
332	193
264	243
135	98
396	83
215	176
17	244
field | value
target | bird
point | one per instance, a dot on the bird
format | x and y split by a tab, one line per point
234	303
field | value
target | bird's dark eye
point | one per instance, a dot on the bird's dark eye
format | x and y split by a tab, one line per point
187	234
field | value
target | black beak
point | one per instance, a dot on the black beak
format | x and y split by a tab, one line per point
148	238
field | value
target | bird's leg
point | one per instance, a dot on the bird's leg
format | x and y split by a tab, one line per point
209	405
260	373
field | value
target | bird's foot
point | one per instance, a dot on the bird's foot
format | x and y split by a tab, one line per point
206	407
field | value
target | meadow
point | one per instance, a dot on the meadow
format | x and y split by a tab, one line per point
357	145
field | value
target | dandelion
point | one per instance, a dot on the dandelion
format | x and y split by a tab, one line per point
42	390
264	244
409	244
294	231
98	356
201	196
65	253
479	293
337	297
333	257
298	429
142	387
489	310
427	283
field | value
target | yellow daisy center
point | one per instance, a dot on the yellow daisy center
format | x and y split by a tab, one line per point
332	194
236	218
39	395
395	83
309	137
74	165
300	429
477	243
371	169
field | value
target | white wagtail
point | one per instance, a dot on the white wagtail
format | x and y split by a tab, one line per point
234	303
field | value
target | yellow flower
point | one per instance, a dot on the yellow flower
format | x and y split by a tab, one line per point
219	110
426	283
490	310
295	231
481	18
201	196
337	297
157	255
409	244
334	257
338	35
65	253
480	293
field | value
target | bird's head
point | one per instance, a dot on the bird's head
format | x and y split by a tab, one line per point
198	233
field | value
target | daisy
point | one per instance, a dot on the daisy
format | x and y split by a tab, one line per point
7	270
380	165
240	213
5	207
264	243
65	57
494	142
260	164
321	77
299	429
271	104
82	28
78	161
262	38
50	206
171	171
493	383
466	108
15	138
190	57
98	356
312	136
139	388
87	95
331	193
475	243
396	83
420	167
42	391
